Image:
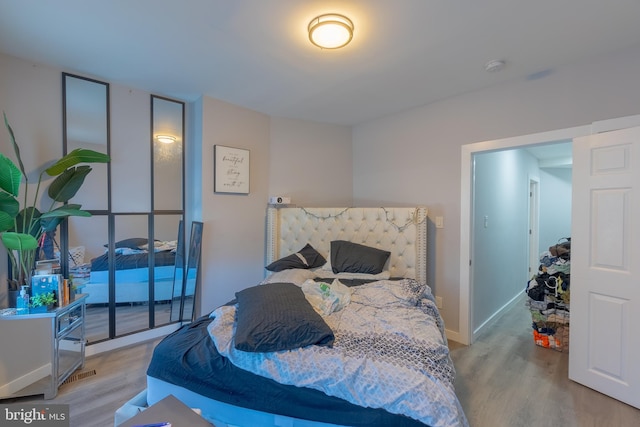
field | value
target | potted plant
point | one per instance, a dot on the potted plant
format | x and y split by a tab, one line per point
42	302
22	223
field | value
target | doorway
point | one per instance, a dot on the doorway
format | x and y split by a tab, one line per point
468	152
507	222
466	224
470	322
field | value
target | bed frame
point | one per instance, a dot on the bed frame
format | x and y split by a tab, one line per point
132	285
401	230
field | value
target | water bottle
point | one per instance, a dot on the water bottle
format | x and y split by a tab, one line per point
23	301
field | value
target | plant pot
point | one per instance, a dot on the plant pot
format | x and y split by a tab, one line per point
40	309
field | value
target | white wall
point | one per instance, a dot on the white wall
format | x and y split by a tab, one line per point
408	158
307	161
500	254
31	96
555	206
22	365
414	157
130	158
311	163
232	242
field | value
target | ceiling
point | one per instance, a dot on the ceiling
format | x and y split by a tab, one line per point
556	155
256	53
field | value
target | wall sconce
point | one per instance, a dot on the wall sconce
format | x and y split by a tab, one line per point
330	31
166	139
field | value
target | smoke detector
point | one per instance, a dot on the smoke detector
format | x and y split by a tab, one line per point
494	65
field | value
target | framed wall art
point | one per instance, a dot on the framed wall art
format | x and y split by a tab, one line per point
231	170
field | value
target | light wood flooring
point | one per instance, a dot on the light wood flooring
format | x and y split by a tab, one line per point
93	400
503	380
129	318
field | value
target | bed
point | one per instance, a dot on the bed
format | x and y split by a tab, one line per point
366	350
131	273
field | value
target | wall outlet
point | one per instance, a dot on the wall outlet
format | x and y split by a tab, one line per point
439	302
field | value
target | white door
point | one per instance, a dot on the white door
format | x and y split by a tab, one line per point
605	264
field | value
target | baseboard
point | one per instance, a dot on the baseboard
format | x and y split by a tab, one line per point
495	315
452	335
26	380
125	341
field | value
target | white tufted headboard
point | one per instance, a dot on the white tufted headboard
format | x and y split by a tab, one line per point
400	230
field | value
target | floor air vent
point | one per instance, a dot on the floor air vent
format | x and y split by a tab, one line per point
79	376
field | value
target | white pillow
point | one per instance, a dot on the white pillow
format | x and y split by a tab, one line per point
161	246
290	275
384	275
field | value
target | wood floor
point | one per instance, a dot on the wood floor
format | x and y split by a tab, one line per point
93	400
503	380
130	318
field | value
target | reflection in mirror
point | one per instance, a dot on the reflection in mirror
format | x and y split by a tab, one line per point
168	135
131	264
167	123
87	237
165	230
191	276
130	286
86	125
130	258
177	302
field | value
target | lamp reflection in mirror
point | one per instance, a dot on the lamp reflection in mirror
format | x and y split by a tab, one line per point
166	139
167	148
330	31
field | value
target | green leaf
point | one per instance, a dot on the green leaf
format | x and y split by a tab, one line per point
15	147
9	205
79	155
50	220
32	227
50	224
65	211
19	241
6	221
10	176
66	185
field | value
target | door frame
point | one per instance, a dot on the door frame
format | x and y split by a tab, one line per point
534	225
468	151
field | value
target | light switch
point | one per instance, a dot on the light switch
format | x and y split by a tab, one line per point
486	221
439	222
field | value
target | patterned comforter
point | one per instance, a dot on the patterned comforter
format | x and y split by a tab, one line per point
390	352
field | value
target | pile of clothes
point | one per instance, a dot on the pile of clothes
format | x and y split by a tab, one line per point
549	295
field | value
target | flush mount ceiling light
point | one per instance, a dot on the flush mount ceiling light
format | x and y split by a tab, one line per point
166	139
330	31
494	65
